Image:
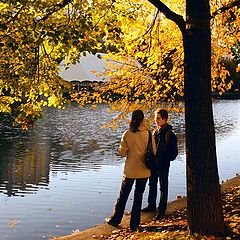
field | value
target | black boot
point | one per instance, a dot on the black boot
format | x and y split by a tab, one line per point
149	209
111	222
159	216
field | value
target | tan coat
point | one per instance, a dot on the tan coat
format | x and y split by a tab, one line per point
133	146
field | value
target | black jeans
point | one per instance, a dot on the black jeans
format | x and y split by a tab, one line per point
125	190
162	175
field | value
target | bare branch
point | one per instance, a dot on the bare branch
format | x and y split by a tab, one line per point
16	15
169	14
56	8
152	24
222	9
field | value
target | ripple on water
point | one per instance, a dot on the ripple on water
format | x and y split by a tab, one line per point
64	174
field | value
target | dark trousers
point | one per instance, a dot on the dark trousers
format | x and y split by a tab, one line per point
162	176
125	190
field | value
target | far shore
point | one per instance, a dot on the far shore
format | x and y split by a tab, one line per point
104	229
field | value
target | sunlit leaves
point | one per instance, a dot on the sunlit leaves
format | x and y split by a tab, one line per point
143	70
145	52
225	35
147	67
31	50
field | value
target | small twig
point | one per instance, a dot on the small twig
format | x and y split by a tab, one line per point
16	15
169	14
223	9
56	8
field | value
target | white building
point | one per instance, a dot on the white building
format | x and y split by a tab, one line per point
84	72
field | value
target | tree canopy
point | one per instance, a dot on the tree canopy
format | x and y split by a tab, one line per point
177	51
144	47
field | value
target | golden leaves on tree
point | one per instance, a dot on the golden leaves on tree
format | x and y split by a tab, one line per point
145	53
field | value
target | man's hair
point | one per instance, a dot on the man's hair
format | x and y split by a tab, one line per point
162	112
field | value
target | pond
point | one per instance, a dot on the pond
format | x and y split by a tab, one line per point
64	175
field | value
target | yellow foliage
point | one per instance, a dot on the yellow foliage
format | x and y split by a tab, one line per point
145	52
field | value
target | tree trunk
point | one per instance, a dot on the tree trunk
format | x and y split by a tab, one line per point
204	205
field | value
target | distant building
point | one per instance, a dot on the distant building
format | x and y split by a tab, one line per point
81	74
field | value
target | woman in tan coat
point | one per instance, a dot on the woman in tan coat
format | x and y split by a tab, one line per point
133	146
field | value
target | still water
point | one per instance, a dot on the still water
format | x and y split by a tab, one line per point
64	175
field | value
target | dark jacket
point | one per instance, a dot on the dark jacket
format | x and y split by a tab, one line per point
167	148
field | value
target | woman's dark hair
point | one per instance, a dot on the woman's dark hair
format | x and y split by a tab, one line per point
137	118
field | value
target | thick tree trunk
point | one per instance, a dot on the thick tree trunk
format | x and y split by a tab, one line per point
204	205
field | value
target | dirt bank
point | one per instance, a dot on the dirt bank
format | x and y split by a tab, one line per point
105	229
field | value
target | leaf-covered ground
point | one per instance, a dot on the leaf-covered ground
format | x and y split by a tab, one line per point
175	226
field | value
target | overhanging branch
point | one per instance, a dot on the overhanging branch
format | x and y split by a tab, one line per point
235	3
56	8
169	14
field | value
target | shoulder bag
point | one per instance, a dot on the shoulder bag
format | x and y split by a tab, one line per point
149	158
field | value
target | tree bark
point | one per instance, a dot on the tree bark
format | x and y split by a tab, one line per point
204	205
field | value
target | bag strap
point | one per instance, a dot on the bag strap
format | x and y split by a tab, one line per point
166	137
149	139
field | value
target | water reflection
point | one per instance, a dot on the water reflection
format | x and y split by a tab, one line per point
66	140
66	172
226	117
24	164
73	140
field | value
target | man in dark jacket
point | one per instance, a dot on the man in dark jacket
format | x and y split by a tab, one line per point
167	150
